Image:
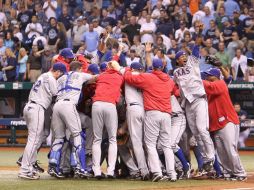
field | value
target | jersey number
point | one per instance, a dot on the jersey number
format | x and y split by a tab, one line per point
36	86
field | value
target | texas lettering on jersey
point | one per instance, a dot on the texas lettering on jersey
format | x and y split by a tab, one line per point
182	71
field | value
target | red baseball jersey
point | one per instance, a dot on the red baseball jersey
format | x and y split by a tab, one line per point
220	107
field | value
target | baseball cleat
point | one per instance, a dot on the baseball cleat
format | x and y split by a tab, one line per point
208	166
186	173
54	173
173	179
29	176
135	177
110	176
239	178
180	175
19	161
146	177
156	178
165	178
37	167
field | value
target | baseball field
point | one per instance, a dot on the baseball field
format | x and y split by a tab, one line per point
10	181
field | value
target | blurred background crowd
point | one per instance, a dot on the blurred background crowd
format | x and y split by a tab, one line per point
33	32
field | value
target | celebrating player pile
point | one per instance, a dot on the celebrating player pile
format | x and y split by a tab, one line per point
149	129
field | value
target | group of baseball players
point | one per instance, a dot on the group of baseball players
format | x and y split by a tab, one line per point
141	121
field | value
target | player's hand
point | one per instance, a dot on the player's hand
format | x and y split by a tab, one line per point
148	47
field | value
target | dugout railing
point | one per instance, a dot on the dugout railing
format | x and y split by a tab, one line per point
13	96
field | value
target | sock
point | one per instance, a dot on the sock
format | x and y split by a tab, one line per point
216	166
198	157
182	158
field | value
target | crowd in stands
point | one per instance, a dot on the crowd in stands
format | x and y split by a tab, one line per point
32	32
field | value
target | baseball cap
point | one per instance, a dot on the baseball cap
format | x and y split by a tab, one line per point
179	54
137	66
224	19
67	53
157	63
103	66
58	66
80	18
94	68
213	72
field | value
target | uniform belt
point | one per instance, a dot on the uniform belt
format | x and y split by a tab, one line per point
134	104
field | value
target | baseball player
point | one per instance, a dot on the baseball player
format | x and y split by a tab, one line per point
65	115
135	120
188	78
66	56
107	94
157	89
224	124
39	100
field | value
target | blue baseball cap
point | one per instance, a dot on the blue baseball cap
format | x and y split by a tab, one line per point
67	53
224	19
60	67
157	64
103	66
137	66
213	72
179	54
94	68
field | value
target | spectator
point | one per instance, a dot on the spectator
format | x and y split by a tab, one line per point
232	46
245	14
206	19
230	6
250	70
172	53
147	30
167	66
138	47
96	27
2	47
49	8
244	131
117	31
204	52
11	64
227	30
22	61
65	18
17	33
24	17
239	66
156	11
106	20
8	42
46	60
34	28
77	33
209	45
91	40
61	41
41	16
179	34
52	33
223	56
249	29
199	15
33	69
193	6
136	6
219	16
142	18
165	26
211	33
131	58
160	44
132	29
187	18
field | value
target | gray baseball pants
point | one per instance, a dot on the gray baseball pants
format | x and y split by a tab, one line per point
158	128
198	120
104	114
34	117
226	141
135	119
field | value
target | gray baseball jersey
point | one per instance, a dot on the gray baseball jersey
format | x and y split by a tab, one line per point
43	90
189	80
69	86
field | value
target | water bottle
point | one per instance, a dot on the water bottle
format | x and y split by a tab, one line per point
4	76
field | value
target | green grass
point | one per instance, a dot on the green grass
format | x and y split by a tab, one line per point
9	180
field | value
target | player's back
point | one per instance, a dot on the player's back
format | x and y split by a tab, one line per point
189	79
133	94
69	85
43	90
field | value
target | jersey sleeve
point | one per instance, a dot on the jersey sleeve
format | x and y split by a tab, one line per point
52	85
86	77
214	88
139	81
